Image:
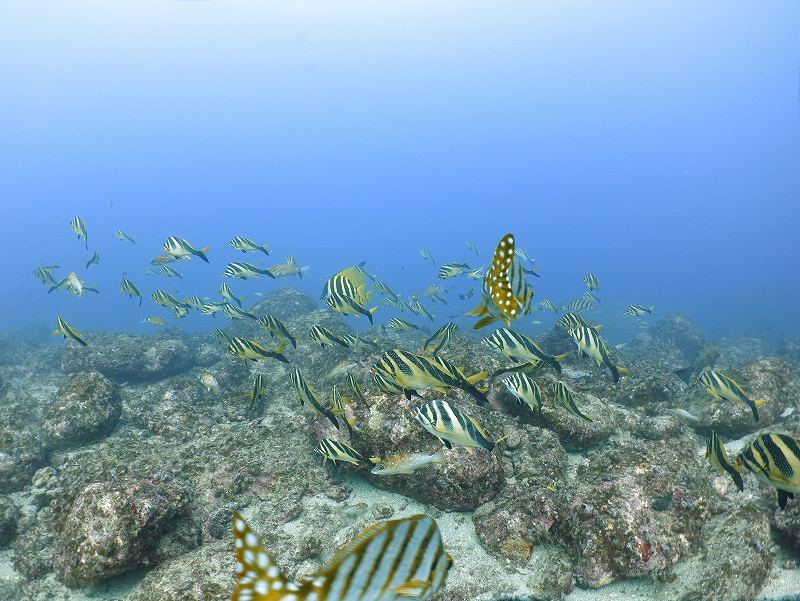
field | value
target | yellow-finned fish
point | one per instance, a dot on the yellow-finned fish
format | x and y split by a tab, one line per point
222	336
440	338
525	390
591	281
358	343
276	327
306	395
226	293
722	387
129	288
244	271
72	283
93	260
505	293
43	273
474	274
165	299
384	289
120	235
389	561
582	303
78	226
418	372
154	321
416	307
324	337
570	321
639	310
549	305
396	323
357	391
348	306
246	245
165	258
348	282
563	396
451	270
405	463
434	294
775	460
519	347
423	252
452	426
234	312
471	246
259	389
67	331
716	456
591	345
209	382
386	385
181	249
339	451
170	272
338	408
286	269
212	308
181	312
250	350
195	302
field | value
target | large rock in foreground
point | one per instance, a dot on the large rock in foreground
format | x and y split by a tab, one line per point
113	528
86	407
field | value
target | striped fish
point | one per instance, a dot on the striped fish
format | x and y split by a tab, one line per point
43	273
78	226
165	258
250	350
775	460
358	393
471	246
67	331
165	299
195	302
548	305
722	387
385	384
259	389
276	327
286	269
591	345
639	310
519	347
389	561
222	336
716	456
324	337
384	289
475	274
73	284
569	321
358	343
525	390
451	270
563	396
451	426
246	245
441	338
130	289
181	312
338	408
181	249
396	323
212	308
417	372
234	312
416	307
307	395
505	293
582	303
93	260
423	252
434	294
227	293
120	235
169	272
346	305
591	281
339	451
244	271
348	282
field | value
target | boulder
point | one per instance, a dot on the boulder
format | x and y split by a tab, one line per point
9	516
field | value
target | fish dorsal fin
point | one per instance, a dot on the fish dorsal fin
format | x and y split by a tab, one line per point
258	576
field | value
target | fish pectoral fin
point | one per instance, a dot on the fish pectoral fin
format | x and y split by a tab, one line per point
412	588
478	311
483	322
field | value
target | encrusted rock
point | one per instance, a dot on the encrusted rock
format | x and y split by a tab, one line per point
33	552
113	528
673	340
9	515
86	407
21	454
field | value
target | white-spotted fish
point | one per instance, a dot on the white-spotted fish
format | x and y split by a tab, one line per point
389	561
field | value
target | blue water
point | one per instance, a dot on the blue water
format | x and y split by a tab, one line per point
655	146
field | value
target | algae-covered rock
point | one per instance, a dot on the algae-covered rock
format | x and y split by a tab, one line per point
771	379
21	454
635	509
33	552
113	528
205	574
790	350
86	407
9	516
673	340
131	357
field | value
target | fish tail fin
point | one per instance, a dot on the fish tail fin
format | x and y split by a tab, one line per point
91	289
483	322
201	252
684	373
478	311
253	560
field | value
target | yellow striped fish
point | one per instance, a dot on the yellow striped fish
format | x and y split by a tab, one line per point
324	337
396	323
306	395
519	347
170	272
389	561
93	260
286	269
244	271
234	312
722	387
339	451
563	396
181	249
130	289
591	345
259	388
227	293
525	390
385	384
246	245
505	294
591	281
276	327
440	338
43	273
348	306
250	350
120	235
639	310
67	331
78	226
716	456
358	392
418	372
451	270
775	460
569	321
452	426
